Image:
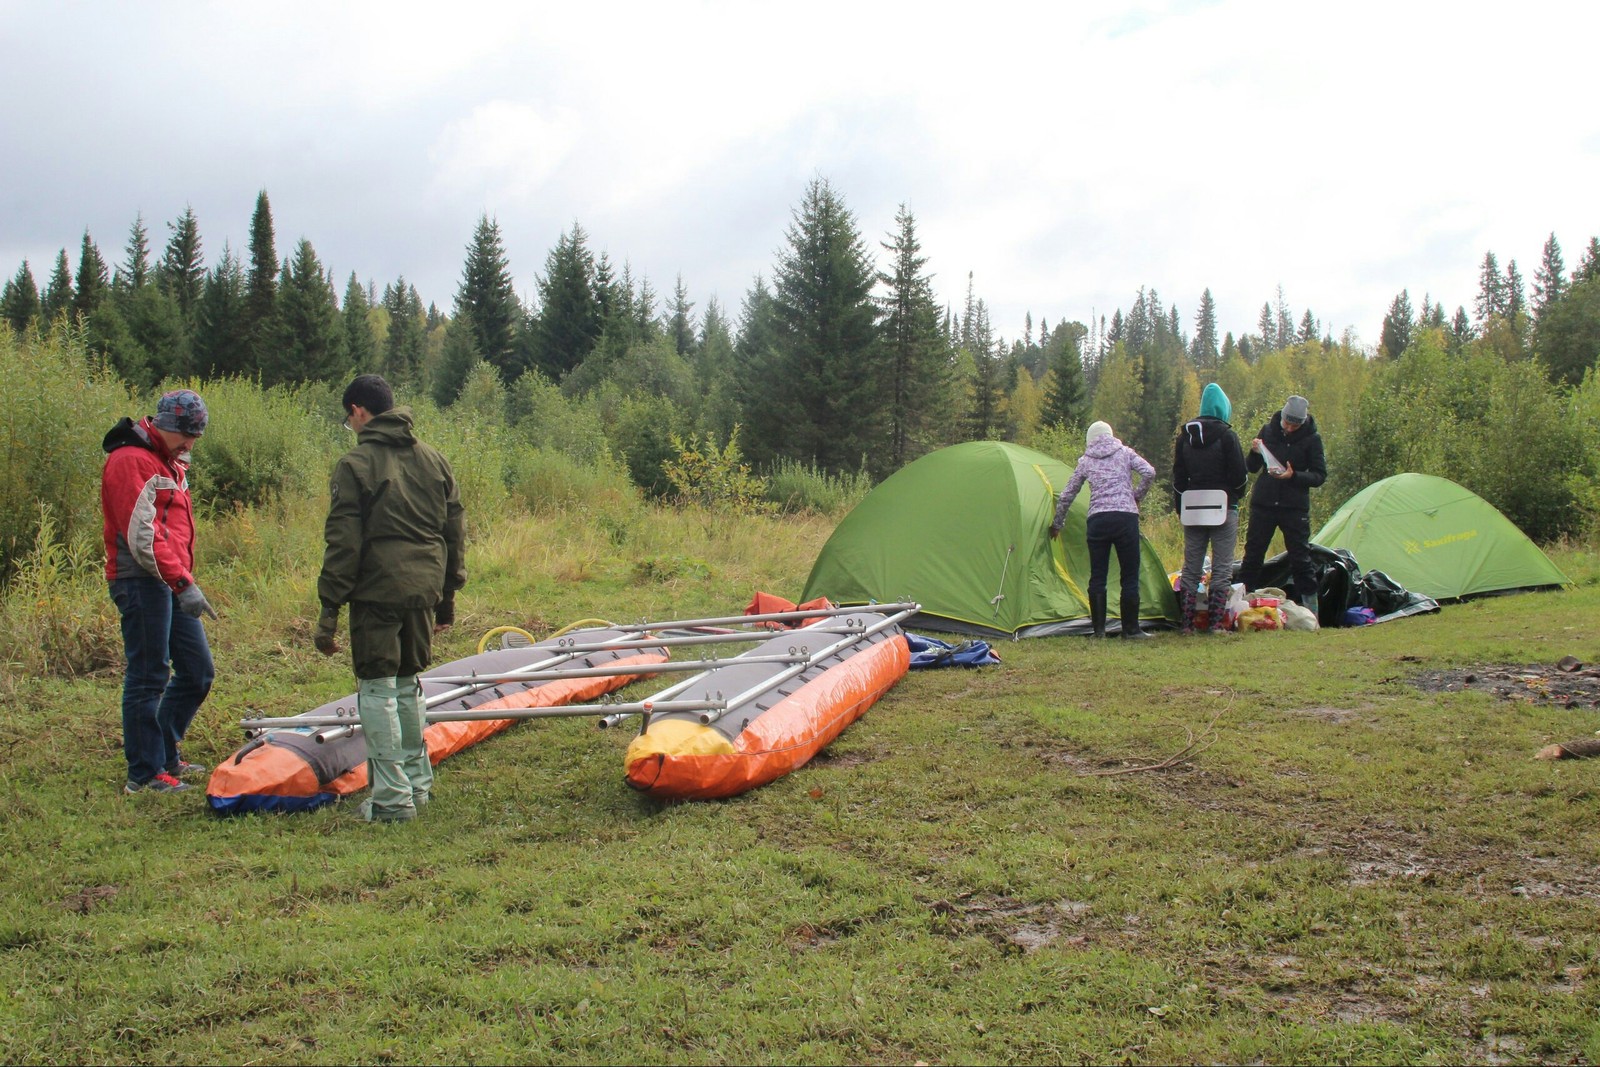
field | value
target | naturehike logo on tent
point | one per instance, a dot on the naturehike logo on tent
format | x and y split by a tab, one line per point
1412	548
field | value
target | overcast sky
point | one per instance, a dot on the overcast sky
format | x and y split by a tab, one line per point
1065	154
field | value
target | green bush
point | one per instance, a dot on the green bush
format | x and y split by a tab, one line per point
714	478
59	620
640	429
260	444
1498	428
478	447
59	404
796	487
543	479
1060	442
548	420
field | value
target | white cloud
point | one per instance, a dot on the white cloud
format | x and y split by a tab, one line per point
502	152
1066	154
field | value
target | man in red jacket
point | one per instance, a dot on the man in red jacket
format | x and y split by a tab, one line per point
149	535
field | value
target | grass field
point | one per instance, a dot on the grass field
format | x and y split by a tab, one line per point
1353	869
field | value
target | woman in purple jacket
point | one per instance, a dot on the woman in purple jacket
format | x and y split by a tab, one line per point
1108	466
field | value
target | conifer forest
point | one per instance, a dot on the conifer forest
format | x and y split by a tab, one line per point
843	357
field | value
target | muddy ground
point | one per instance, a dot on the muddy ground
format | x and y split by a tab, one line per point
1565	683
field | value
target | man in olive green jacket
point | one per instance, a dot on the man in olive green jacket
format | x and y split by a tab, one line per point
396	544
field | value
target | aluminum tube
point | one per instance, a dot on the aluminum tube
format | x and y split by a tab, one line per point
776	616
477	714
711	715
485	680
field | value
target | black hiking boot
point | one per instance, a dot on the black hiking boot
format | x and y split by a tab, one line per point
1130	619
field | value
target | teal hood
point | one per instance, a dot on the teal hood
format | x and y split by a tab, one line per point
1214	403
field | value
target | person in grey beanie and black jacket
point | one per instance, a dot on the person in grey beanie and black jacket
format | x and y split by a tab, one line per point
1281	499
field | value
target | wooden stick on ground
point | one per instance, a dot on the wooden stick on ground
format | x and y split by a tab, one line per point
1583	748
1195	746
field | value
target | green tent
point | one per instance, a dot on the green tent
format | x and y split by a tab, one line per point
964	532
1437	538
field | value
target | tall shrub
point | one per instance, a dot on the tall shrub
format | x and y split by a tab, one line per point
58	405
260	444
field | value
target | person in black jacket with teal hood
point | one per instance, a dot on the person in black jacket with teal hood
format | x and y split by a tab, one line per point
1207	455
1281	499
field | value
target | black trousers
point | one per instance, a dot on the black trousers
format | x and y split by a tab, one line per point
1119	530
1296	527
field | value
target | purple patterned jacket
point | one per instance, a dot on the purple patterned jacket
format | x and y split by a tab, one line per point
1108	466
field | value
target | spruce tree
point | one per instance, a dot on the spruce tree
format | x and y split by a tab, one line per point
1569	333
19	301
1283	318
1550	280
1203	350
1460	330
827	338
1160	367
309	344
716	408
1066	402
94	279
1491	290
219	333
1515	302
985	417
569	310
755	359
260	289
646	327
405	343
361	348
182	273
134	273
487	304
1308	328
457	360
915	354
57	298
1397	326
157	332
1589	267
680	323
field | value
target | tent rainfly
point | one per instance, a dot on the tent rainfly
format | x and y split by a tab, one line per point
964	531
1437	538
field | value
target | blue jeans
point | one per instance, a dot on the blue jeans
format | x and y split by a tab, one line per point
168	675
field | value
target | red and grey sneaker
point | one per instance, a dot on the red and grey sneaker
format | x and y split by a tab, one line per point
161	783
184	769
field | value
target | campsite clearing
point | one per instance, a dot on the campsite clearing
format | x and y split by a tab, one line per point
1357	870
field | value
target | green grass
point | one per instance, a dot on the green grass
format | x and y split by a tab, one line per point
1354	871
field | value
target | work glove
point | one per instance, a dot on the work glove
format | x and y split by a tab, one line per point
191	601
326	636
444	612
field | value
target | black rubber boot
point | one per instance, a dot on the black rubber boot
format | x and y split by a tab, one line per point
1097	613
1130	618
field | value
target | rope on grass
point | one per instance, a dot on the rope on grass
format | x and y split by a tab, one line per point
483	642
1195	746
